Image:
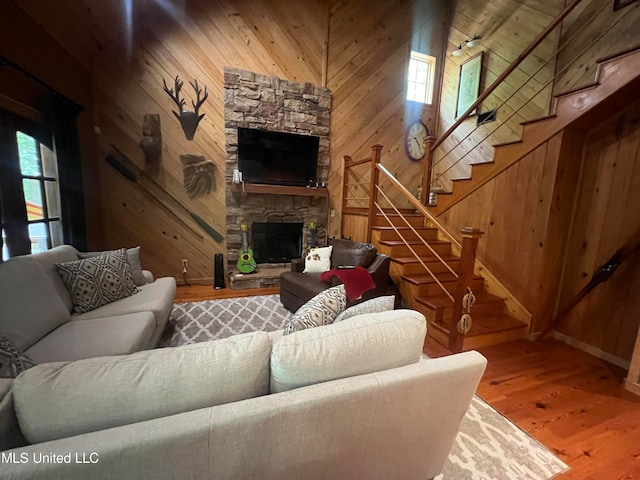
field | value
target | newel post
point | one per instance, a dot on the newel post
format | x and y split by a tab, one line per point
470	237
373	191
426	174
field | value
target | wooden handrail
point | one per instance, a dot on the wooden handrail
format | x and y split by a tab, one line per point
468	248
416	203
515	64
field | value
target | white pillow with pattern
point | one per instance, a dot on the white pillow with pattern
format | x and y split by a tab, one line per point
318	260
320	310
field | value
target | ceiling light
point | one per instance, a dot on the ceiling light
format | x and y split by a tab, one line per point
469	42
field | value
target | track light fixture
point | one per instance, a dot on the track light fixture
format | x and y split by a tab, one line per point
469	42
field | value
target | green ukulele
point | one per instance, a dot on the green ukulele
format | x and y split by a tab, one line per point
246	263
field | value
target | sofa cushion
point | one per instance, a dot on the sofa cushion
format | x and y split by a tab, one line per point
30	307
364	344
320	310
156	297
48	260
375	305
12	361
133	258
96	281
58	400
318	260
97	337
347	252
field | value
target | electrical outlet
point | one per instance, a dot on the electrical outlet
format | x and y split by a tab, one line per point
184	264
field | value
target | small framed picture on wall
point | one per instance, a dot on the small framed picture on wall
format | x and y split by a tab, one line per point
469	84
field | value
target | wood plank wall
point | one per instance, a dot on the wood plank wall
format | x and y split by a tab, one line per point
606	215
512	210
593	22
273	37
369	46
506	28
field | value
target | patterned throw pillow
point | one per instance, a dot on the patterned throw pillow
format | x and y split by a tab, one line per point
320	310
96	281
12	361
318	260
375	305
133	257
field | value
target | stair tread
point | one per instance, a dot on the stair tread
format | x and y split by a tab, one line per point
506	144
393	243
483	324
384	227
426	278
425	258
442	301
538	119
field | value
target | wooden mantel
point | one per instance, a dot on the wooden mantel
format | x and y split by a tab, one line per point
279	190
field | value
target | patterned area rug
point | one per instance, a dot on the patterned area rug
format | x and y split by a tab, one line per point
488	447
193	322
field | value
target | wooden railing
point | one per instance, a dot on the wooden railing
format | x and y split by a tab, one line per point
435	154
372	198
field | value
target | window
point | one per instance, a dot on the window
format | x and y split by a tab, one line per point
421	78
39	197
40	185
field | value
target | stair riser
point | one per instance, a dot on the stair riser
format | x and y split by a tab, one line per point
398	222
438	314
426	233
434	289
479	308
419	249
434	265
477	341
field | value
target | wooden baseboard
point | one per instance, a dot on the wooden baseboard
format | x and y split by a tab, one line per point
591	350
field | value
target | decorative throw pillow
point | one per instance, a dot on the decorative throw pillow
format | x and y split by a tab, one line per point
133	258
320	310
12	361
96	281
318	260
375	305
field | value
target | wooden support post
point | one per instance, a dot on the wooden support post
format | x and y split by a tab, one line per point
470	237
346	160
428	166
373	191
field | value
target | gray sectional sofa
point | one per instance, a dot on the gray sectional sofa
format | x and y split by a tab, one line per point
37	312
36	315
351	400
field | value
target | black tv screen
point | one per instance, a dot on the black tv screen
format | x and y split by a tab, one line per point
277	158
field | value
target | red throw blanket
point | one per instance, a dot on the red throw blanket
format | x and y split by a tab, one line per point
356	281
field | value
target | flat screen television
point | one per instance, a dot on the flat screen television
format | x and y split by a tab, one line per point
277	158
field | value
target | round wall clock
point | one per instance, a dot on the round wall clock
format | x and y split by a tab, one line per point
414	139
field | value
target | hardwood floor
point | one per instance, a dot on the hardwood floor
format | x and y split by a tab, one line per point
573	403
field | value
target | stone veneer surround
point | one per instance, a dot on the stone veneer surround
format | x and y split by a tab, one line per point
253	100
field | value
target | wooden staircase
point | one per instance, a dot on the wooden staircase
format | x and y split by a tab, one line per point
617	84
491	324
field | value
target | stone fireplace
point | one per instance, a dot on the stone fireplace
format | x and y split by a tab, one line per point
269	103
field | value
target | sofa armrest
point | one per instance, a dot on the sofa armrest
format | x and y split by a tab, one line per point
148	276
379	270
297	264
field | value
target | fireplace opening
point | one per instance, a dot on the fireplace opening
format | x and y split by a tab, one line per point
277	158
276	242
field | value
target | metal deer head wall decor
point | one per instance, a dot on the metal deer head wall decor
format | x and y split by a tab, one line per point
188	119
